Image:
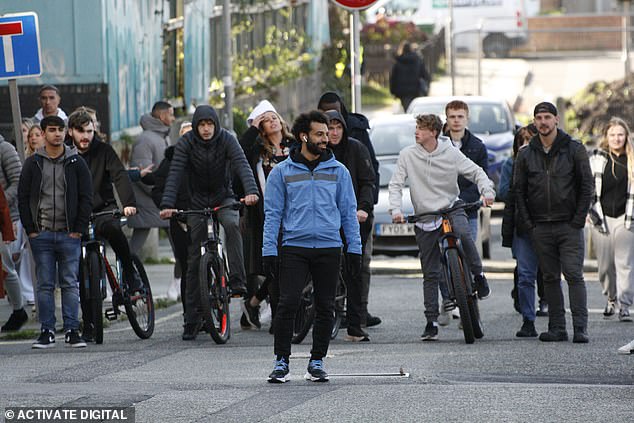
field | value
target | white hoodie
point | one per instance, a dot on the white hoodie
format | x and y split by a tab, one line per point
433	177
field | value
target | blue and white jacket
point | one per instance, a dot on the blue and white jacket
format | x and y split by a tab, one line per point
310	206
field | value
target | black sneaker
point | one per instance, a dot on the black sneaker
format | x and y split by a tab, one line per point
251	313
17	319
580	336
316	372
431	332
45	340
190	331
73	339
280	371
527	330
356	334
482	287
88	333
553	336
244	323
372	320
542	310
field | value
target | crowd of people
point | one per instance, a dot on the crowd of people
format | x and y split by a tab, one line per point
309	192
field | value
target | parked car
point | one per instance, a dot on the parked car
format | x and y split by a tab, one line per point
491	120
389	135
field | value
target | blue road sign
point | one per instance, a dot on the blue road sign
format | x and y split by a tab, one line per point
19	46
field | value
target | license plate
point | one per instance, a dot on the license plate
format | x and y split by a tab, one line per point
394	229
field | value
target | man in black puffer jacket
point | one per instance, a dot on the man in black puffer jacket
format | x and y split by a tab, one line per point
409	77
554	188
208	154
356	159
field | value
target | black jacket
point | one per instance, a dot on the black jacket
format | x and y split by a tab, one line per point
160	178
474	149
356	158
406	74
78	194
358	127
208	164
511	220
106	168
553	187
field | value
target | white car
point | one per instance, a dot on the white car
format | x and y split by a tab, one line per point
389	135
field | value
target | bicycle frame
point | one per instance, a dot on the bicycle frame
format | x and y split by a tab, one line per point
448	241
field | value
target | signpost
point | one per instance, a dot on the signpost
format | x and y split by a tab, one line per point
19	58
355	69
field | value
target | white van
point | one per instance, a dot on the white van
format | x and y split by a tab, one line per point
504	22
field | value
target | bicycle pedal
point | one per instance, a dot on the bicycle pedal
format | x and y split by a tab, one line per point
111	314
449	306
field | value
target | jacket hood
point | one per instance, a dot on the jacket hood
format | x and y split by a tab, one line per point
68	152
408	58
296	155
150	123
1	138
206	112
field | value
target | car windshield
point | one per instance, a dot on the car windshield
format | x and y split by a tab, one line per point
390	138
484	118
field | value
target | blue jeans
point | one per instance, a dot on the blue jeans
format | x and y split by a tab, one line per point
526	274
473	227
57	253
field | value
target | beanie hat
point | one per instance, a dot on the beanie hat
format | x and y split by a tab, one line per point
262	107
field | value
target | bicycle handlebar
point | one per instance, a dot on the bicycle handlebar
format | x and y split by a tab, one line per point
116	213
416	217
208	211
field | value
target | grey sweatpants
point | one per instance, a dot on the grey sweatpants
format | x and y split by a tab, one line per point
430	258
615	257
11	282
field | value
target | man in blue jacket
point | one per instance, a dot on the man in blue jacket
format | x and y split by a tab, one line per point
310	197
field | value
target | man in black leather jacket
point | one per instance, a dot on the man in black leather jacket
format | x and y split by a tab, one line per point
554	188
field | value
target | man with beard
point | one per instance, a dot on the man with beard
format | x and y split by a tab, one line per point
553	189
311	197
209	155
106	169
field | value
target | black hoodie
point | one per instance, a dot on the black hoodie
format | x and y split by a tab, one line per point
208	165
406	75
357	126
356	158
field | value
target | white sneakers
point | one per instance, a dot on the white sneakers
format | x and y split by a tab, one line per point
627	349
174	289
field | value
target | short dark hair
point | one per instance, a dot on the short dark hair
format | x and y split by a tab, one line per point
431	122
159	106
457	105
48	87
303	121
52	121
79	118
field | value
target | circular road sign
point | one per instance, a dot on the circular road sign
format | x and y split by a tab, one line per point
355	4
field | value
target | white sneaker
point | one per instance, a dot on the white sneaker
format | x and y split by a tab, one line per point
444	318
627	349
173	290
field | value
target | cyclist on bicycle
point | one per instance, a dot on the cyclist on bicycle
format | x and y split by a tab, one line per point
310	197
209	155
432	166
106	169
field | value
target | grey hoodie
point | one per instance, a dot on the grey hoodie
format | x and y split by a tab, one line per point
52	207
433	177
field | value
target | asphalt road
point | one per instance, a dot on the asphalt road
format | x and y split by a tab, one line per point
499	378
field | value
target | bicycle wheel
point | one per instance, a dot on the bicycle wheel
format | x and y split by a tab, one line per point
305	314
458	280
139	306
214	298
93	261
340	305
474	311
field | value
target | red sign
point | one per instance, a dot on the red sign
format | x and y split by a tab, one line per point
355	4
10	28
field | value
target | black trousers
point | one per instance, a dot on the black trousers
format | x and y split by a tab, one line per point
355	310
296	264
179	241
560	249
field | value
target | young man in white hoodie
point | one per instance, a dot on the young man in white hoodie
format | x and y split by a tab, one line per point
432	166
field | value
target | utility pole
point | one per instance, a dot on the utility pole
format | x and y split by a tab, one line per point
625	44
227	79
355	68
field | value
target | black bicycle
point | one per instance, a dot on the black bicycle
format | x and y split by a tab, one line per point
96	271
215	293
457	273
306	312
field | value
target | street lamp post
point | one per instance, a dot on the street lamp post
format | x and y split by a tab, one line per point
227	79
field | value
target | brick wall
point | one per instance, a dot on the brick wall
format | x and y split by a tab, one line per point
578	40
